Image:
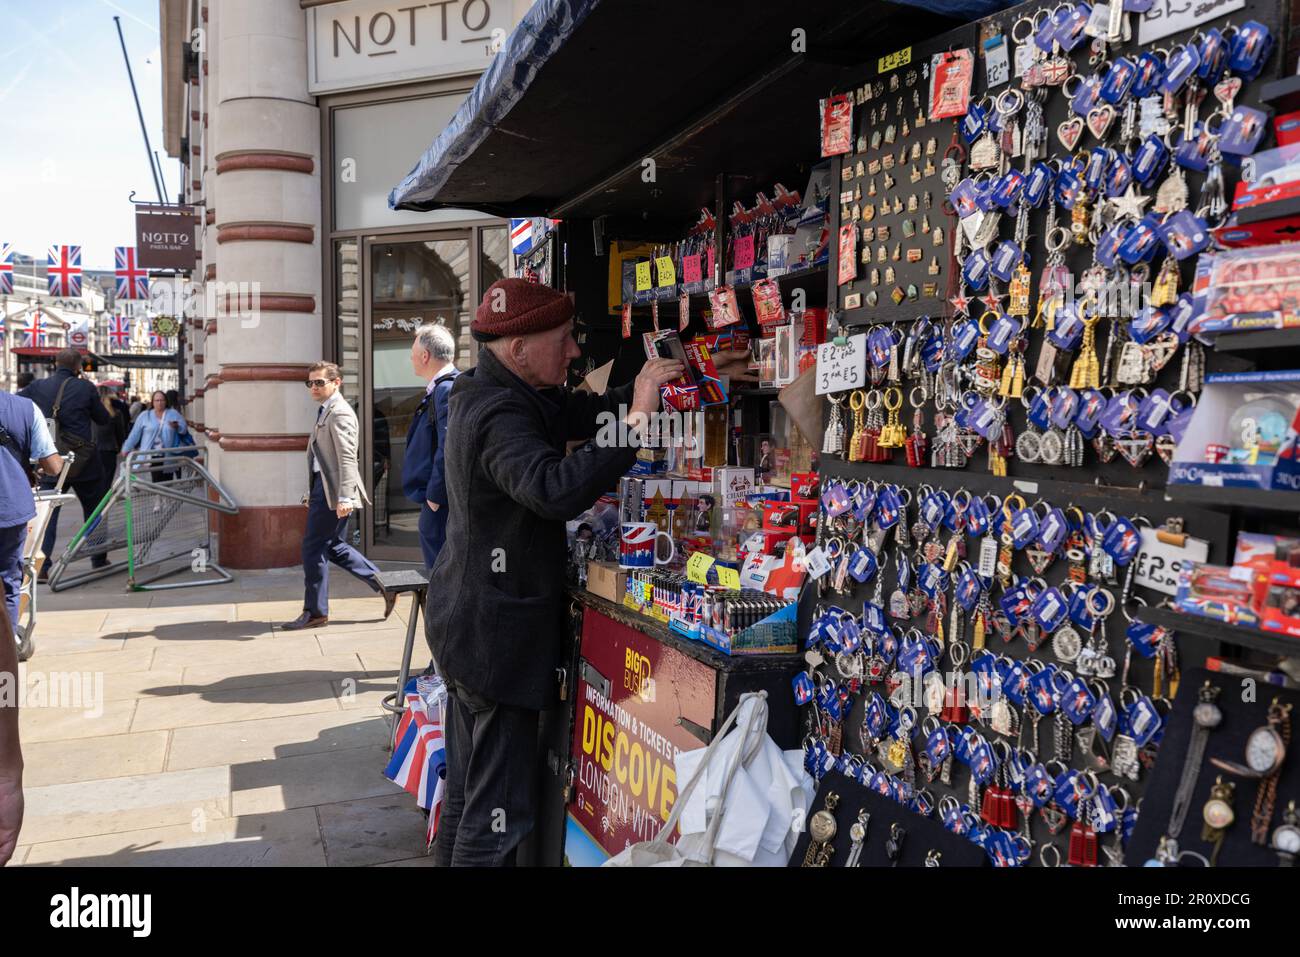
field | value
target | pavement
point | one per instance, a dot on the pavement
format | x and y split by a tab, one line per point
183	728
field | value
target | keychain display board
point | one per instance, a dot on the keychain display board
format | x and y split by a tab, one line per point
920	835
959	300
1095	485
890	191
1244	708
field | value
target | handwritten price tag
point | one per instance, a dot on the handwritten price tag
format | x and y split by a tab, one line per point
666	270
643	276
728	577
894	60
691	270
842	367
697	568
744	251
1159	563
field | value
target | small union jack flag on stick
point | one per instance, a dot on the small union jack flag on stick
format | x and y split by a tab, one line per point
34	331
63	269
132	281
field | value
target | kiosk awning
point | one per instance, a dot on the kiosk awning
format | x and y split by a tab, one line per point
583	90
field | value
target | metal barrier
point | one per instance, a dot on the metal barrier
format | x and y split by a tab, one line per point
46	500
153	523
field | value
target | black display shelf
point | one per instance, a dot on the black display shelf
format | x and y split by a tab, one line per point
794	278
1257	341
1240	635
1264	212
1283	95
1273	500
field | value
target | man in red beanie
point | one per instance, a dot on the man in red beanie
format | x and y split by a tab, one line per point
494	616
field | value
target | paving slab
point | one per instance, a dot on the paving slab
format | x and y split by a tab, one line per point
274	671
93	759
128	659
309	779
285	839
108	806
67	643
371	831
238	704
269	739
194	653
58	724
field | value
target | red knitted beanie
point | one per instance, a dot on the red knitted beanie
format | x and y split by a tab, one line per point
517	307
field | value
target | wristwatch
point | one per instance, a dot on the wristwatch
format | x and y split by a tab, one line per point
1206	716
1265	751
1286	839
858	831
1218	815
822	828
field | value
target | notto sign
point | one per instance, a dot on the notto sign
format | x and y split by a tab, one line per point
357	43
164	239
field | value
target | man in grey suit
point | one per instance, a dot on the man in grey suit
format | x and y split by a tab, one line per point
335	489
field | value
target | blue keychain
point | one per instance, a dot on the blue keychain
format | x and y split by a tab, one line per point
1105	812
1150	159
1109	242
1024	527
803	688
1042	690
976	270
1071	787
973	124
1119	175
1181	314
1016	684
1081	607
1119	80
1122	541
1185	234
1038	183
850	636
1148	324
1001	333
888	505
934	508
1039	784
1086	96
1067	186
965	336
969	589
1005	259
873	618
1144	638
1008	188
982	763
1193	149
836	500
1064	403
1071	31
1142	240
1119	413
1050	609
1179	68
1094	171
1142	720
1078	701
1105	717
1154	412
1067	331
1177	423
964	198
1091	404
880	346
1213	51
1242	132
938	747
875	716
1150	71
977	517
1053	530
932	579
863	565
1250	49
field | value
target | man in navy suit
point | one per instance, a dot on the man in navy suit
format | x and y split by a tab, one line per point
423	481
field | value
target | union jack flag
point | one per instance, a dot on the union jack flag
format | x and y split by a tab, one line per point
6	268
119	332
34	330
419	762
63	269
156	341
132	281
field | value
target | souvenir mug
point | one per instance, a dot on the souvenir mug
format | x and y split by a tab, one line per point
637	545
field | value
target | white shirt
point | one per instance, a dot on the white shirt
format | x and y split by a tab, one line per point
42	443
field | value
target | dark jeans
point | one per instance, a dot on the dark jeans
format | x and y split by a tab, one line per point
89	494
324	543
11	569
491	782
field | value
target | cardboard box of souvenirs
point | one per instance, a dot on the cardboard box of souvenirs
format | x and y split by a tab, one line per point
606	580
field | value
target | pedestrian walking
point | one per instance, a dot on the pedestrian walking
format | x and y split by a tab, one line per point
334	491
157	428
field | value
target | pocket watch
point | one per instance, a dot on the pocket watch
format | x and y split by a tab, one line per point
858	832
1218	816
821	830
1286	839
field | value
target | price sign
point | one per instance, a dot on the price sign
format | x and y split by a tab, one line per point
745	251
643	276
842	367
997	65
728	577
894	60
697	568
691	271
1159	563
666	271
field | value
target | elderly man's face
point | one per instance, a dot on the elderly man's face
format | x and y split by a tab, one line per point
546	355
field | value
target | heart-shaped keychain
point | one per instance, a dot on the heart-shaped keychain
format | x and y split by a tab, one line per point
1135	447
1070	131
1226	90
1099	120
1161	349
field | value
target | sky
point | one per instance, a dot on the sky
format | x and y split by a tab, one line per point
71	150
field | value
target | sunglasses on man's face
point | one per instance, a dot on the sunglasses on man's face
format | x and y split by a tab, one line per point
317	383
